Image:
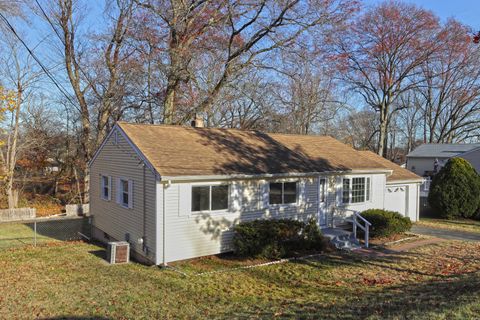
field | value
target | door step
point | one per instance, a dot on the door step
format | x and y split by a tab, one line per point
341	238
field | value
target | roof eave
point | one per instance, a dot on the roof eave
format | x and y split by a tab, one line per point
167	179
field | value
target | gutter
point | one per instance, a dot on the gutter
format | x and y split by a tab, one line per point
418	181
169	179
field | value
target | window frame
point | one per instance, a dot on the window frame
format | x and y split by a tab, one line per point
210	186
120	192
367	190
108	186
297	185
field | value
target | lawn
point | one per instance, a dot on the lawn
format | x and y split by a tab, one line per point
71	279
456	224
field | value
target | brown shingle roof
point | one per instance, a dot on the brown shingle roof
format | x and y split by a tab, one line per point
187	151
399	173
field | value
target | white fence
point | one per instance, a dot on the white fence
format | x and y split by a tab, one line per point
17	214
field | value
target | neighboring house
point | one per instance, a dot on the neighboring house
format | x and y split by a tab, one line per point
428	158
176	192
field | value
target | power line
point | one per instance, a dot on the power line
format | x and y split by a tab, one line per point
32	54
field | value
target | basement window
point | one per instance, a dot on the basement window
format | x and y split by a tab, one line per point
283	192
209	198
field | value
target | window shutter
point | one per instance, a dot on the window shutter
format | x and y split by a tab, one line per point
130	194
109	188
118	191
184	199
264	194
301	192
235	196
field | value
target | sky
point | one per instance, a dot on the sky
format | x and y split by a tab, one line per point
466	11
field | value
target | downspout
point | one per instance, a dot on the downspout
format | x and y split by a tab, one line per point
144	247
163	225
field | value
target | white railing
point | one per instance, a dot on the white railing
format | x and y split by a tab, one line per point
356	217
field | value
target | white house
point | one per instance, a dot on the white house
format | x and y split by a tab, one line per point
176	192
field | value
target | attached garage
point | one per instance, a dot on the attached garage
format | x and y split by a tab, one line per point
402	190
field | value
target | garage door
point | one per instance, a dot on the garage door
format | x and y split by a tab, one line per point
396	199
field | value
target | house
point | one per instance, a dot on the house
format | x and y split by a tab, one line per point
175	192
428	158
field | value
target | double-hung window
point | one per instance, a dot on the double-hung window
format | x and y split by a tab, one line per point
106	187
125	192
356	190
283	192
209	198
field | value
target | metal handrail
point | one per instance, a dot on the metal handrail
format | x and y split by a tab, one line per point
365	228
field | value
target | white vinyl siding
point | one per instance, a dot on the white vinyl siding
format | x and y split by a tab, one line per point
121	161
190	235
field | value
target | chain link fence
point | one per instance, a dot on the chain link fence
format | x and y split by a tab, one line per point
43	231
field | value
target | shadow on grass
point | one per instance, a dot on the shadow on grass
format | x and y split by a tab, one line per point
446	295
75	318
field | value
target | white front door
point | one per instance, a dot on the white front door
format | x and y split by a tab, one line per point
322	201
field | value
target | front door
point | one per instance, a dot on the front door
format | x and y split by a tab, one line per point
322	202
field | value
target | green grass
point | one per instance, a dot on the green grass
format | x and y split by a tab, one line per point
65	280
18	234
456	224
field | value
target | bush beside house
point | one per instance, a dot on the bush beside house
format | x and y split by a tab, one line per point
275	239
455	190
386	223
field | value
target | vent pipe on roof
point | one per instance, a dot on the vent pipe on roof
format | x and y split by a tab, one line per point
197	122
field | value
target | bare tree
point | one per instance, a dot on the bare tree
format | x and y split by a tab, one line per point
381	55
233	35
21	74
105	87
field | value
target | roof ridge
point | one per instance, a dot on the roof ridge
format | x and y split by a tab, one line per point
159	125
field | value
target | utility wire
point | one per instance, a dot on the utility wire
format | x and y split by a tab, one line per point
32	54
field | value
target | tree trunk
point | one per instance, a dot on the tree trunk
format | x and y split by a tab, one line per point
383	138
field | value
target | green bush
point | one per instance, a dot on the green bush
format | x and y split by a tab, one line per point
275	239
455	190
386	223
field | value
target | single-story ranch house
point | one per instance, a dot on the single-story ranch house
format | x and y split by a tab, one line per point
175	192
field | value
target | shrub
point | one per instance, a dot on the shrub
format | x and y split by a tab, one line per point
455	190
276	238
386	223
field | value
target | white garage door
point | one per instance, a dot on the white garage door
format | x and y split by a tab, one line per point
396	199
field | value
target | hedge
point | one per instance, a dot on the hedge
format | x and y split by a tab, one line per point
386	223
275	239
455	190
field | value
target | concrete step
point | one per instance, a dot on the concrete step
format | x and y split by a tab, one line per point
341	239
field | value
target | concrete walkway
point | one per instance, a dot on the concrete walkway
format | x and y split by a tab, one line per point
446	233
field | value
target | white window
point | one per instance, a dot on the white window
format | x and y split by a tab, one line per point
356	190
106	188
125	193
210	198
323	190
283	192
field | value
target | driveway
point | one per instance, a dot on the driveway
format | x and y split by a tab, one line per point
446	233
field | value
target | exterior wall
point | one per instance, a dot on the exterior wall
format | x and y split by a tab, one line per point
420	165
189	235
119	223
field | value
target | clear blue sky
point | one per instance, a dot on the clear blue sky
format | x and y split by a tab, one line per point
466	11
